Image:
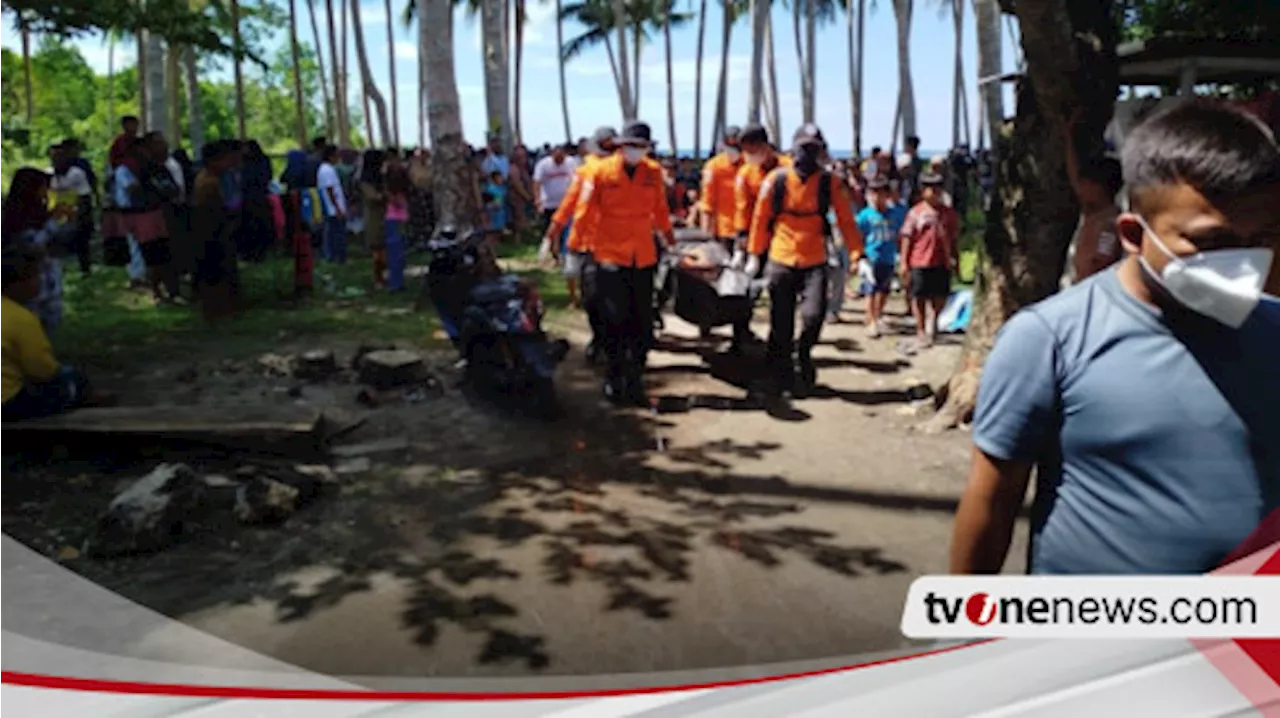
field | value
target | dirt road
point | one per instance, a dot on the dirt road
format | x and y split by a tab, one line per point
710	532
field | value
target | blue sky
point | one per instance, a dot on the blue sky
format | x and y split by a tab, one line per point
593	100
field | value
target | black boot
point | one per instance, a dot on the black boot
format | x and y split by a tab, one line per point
806	377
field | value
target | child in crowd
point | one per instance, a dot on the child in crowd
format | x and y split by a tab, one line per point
930	246
495	207
397	213
880	222
34	383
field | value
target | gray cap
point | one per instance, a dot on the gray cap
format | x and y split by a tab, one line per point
808	134
604	134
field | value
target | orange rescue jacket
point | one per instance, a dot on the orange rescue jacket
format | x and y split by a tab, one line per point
795	237
718	201
747	190
579	234
625	209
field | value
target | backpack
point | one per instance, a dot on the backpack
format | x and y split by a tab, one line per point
824	200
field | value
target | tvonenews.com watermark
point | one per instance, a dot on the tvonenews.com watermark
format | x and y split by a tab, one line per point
1093	607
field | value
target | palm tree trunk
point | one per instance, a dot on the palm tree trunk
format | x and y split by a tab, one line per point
850	25
811	56
857	111
638	36
620	21
802	63
371	91
495	86
613	67
519	70
141	72
300	111
173	87
157	107
957	95
324	79
771	61
723	93
422	95
564	93
29	109
671	94
338	52
371	139
906	91
452	177
755	96
697	81
237	69
195	116
391	67
986	15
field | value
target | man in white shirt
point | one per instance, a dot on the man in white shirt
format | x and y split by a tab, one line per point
551	178
73	202
333	245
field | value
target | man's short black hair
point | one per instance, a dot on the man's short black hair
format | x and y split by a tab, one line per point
913	141
1217	149
1103	171
329	152
127	119
876	150
318	143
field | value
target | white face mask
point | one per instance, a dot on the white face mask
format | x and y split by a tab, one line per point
754	158
633	155
1222	284
733	153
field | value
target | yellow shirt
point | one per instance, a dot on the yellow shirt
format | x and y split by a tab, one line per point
25	351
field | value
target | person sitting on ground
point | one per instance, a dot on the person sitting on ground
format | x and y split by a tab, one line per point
34	382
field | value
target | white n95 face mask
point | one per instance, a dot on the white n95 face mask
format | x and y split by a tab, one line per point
1222	284
633	155
733	153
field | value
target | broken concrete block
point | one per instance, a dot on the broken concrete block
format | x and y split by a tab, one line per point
379	446
391	368
319	472
264	500
356	465
150	513
277	364
316	365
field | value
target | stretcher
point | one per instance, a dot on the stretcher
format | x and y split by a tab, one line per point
701	287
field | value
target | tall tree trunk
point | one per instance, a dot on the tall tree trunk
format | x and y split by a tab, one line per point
620	22
957	94
906	91
697	80
755	87
195	115
671	94
238	71
111	83
811	57
495	87
344	75
394	90
422	94
986	15
371	91
329	125
851	47
802	64
564	92
722	94
771	61
173	90
157	107
858	104
300	130
1071	63
637	35
371	139
141	72
29	106
518	81
453	181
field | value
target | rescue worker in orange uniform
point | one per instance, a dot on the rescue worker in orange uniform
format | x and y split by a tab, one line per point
718	197
581	235
624	197
790	226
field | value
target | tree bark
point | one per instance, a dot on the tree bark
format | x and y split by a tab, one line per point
339	101
697	80
422	94
986	15
495	86
111	84
173	92
366	79
157	107
237	69
452	178
802	64
195	115
141	72
957	90
29	109
564	90
811	57
519	70
775	118
857	122
300	129
620	20
850	27
329	125
1071	63
759	22
902	10
394	90
722	94
671	94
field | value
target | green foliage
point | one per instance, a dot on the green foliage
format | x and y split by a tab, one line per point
178	20
1240	20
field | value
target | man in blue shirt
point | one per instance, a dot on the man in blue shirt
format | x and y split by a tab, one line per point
880	222
1147	397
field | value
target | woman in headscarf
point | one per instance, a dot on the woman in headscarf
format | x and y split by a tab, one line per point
422	215
374	200
257	228
26	221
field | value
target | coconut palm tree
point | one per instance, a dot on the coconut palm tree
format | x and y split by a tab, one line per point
759	11
770	62
810	13
520	18
906	91
671	94
987	18
339	97
855	25
495	71
111	83
564	93
697	82
195	116
391	62
301	110
959	98
456	204
324	80
370	88
732	10
620	22
173	89
141	68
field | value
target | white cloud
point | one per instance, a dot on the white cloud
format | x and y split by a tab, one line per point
406	50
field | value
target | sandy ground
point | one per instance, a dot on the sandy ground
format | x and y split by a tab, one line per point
709	532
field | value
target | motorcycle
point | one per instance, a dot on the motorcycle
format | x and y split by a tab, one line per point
494	321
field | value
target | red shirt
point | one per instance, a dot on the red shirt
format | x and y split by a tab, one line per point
119	151
931	233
